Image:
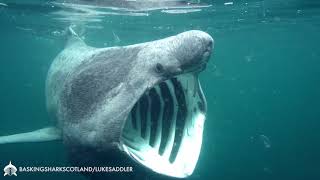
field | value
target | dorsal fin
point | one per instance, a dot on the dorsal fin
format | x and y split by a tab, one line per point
73	37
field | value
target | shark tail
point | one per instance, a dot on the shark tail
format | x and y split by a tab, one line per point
40	135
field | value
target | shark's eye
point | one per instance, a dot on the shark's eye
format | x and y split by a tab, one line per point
159	68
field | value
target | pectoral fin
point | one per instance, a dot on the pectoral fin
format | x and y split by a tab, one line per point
40	135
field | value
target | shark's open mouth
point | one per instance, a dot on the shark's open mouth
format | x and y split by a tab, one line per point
164	129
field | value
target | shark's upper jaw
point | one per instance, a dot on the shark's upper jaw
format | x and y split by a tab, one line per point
164	129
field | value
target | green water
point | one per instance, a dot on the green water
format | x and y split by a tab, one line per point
261	84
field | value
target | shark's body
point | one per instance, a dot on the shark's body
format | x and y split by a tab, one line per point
142	101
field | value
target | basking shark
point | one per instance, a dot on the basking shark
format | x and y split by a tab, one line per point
142	101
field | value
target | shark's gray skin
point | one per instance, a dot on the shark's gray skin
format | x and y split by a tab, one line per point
142	101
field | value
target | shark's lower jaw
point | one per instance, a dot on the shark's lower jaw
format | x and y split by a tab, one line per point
164	129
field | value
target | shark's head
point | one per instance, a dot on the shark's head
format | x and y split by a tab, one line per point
163	130
144	100
184	53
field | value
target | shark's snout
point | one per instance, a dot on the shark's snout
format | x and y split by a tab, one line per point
193	50
208	43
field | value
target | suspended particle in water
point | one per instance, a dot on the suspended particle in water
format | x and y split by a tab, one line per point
248	58
116	37
251	138
266	141
228	3
56	33
267	170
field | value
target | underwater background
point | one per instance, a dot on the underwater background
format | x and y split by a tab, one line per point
262	83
